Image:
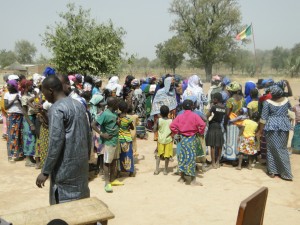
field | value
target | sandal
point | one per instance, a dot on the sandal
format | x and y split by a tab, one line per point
116	183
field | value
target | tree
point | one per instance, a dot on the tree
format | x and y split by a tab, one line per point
171	53
279	56
81	45
25	51
42	60
208	27
7	58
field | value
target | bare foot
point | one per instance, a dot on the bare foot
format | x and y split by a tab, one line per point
249	167
214	166
156	172
239	168
165	172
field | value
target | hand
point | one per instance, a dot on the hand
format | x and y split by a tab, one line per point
105	136
258	134
16	98
40	180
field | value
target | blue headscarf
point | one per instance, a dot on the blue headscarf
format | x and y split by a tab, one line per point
49	71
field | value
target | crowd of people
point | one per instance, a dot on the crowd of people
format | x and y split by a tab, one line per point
44	126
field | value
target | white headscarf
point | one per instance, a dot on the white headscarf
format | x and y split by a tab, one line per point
194	89
113	84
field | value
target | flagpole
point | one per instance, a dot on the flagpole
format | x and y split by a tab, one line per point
254	47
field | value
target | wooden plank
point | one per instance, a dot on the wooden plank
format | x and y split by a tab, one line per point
83	211
252	209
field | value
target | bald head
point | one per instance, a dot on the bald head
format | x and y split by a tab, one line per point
53	83
52	88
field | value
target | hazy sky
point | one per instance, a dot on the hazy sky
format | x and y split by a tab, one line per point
147	22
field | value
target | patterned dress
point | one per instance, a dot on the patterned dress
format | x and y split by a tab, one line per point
230	148
125	139
277	127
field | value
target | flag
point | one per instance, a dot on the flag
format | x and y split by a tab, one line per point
245	33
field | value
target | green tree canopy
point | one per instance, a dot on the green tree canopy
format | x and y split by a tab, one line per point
25	51
278	58
208	27
7	58
171	53
81	45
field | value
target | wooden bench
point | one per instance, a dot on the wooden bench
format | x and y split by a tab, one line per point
252	209
84	211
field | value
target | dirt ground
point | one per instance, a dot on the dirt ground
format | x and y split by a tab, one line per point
147	199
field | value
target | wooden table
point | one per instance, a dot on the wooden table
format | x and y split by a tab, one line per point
84	211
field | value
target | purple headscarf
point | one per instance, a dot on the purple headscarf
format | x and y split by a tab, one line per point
14	83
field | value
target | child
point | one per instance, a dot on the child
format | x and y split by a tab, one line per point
238	119
96	107
188	125
214	137
247	143
135	122
296	137
253	105
109	138
165	140
125	139
139	108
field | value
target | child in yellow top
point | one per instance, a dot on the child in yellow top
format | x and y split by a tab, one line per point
247	144
165	140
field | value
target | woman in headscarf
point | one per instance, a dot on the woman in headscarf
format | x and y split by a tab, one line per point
96	108
139	107
234	104
165	96
29	138
97	87
188	125
114	86
275	122
88	83
13	107
127	89
194	89
249	85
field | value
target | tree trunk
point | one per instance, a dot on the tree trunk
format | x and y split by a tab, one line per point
174	70
208	72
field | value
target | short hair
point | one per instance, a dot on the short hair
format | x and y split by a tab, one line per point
123	106
111	101
52	82
218	96
87	95
164	111
187	104
255	116
57	222
254	93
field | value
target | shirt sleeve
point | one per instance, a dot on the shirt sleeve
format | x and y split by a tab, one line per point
100	118
201	125
229	104
6	96
174	125
265	112
56	140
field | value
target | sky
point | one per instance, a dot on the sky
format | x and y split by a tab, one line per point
146	22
